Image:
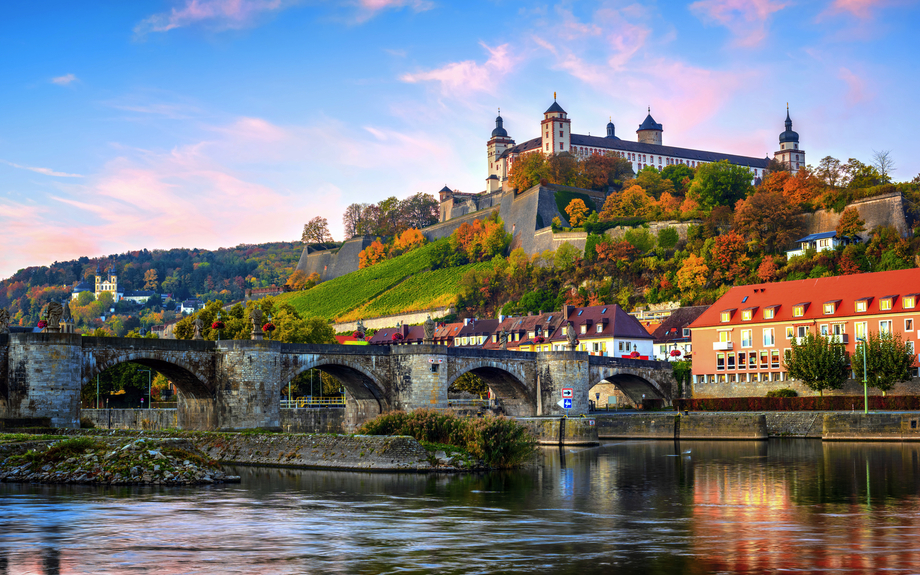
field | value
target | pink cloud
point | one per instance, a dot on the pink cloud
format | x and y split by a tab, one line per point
746	19
463	78
862	9
43	171
367	9
857	90
223	14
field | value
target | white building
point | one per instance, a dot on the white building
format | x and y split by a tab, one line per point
818	242
556	137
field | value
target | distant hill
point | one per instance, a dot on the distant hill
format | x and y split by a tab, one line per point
222	274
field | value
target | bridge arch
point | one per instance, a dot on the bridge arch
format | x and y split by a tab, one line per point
186	377
360	383
505	381
632	383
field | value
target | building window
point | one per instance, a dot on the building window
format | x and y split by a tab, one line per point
746	315
560	133
861	330
802	330
862	305
764	359
824	331
769	313
798	311
686	332
725	336
731	361
742	360
584	329
752	360
884	326
885	304
790	332
908	302
726	316
769	339
908	324
600	327
774	359
746	338
720	361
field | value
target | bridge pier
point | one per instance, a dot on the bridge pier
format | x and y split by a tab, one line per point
40	379
249	390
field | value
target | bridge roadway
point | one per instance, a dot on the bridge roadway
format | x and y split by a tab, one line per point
237	384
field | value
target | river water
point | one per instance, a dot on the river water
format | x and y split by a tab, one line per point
625	507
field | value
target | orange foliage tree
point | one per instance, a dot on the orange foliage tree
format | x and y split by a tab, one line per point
729	256
577	212
407	241
372	254
633	201
693	274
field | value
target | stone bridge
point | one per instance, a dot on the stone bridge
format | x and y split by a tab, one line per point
237	384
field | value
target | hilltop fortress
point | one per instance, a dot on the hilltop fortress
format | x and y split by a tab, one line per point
527	215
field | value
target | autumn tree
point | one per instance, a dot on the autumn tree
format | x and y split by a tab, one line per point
888	360
316	231
372	254
720	184
768	219
693	273
850	224
562	169
528	171
818	362
803	187
407	241
633	201
729	257
577	212
653	182
150	280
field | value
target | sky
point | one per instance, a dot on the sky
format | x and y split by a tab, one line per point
211	123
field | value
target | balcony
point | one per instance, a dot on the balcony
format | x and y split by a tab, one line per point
722	346
838	338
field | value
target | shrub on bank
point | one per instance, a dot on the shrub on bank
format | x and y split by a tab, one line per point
815	403
784	392
497	441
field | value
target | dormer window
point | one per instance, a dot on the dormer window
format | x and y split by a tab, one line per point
769	312
798	310
584	328
686	332
746	315
863	304
830	307
885	303
726	315
909	301
600	327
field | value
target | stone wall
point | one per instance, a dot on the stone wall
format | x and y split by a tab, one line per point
250	386
871	427
852	388
562	430
445	229
313	420
416	317
884	210
42	369
795	423
351	452
722	426
148	419
330	264
655	227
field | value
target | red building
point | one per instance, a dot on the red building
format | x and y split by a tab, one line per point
744	335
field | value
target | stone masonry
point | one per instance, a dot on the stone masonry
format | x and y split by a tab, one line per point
237	384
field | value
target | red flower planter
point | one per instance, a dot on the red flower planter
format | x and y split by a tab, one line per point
217	325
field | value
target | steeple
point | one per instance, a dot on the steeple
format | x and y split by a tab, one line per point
611	130
649	130
499	131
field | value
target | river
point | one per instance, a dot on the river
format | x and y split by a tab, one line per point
624	507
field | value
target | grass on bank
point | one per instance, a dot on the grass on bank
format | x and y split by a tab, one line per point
498	441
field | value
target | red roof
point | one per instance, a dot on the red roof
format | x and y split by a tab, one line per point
618	323
783	296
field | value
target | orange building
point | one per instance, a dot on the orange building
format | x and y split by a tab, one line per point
744	335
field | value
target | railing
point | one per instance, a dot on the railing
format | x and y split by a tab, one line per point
307	402
468	403
721	346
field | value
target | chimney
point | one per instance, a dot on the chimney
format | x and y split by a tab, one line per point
566	311
466	321
540	312
530	313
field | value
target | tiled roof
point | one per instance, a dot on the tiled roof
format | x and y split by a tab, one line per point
672	327
820	236
783	296
627	146
548	323
619	323
408	333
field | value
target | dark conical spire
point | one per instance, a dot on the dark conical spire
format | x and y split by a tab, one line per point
788	119
499	131
788	135
611	129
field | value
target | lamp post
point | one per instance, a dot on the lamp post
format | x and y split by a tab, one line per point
149	383
865	375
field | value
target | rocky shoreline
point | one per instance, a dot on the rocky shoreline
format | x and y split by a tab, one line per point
94	460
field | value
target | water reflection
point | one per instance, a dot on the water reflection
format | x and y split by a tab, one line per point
633	507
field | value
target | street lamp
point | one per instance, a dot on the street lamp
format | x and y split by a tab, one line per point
149	382
865	375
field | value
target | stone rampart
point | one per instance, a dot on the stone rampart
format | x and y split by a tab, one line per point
795	423
722	426
655	227
562	430
386	321
330	264
350	452
884	210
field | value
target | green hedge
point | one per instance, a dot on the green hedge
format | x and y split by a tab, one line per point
813	403
601	227
497	441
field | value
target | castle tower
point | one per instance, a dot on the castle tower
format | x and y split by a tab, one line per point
498	143
650	131
789	152
611	130
556	130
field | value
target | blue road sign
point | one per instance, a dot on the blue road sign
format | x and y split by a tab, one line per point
566	403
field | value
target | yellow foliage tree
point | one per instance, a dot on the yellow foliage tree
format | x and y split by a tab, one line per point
372	254
408	241
692	274
577	212
633	201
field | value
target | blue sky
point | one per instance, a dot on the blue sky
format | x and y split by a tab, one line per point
208	123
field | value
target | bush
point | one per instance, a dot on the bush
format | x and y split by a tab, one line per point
87	423
601	227
784	392
497	441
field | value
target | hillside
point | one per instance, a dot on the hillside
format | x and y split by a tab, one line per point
401	284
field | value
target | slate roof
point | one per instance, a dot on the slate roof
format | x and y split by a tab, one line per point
641	148
547	323
84	286
407	334
554	108
140	293
671	329
819	236
619	323
782	296
650	124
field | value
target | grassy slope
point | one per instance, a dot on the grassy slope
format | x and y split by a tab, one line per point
394	286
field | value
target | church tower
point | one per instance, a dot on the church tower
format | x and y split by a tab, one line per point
556	130
789	152
498	143
649	131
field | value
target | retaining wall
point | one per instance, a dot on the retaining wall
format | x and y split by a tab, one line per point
562	431
386	321
313	420
672	426
872	427
151	419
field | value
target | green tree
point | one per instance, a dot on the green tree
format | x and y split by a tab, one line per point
470	383
720	184
668	238
818	363
654	182
888	361
678	174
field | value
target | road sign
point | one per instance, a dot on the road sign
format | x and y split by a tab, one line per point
568	392
565	403
435	360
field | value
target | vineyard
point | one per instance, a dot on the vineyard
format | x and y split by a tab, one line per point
338	297
425	290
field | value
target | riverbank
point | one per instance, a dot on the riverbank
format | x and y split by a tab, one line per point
95	460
